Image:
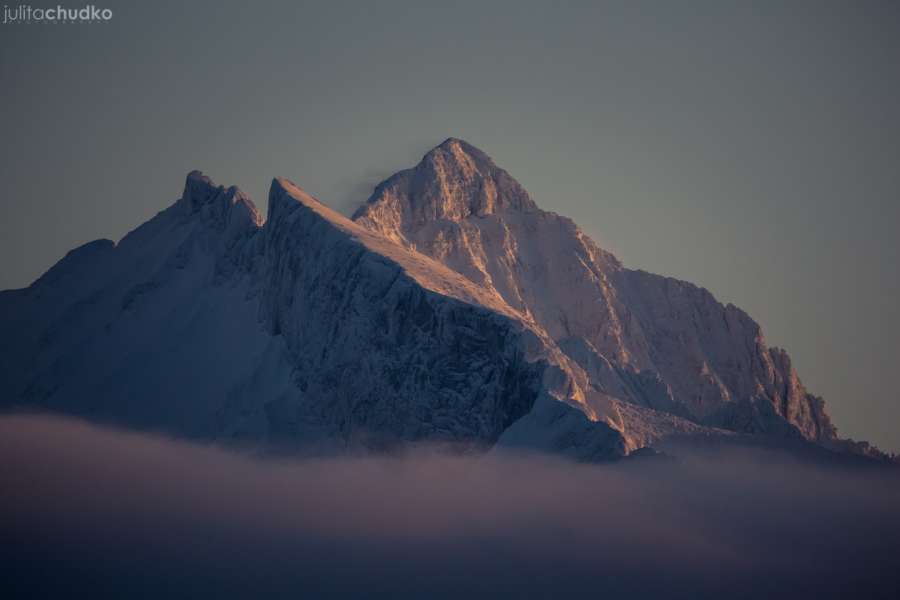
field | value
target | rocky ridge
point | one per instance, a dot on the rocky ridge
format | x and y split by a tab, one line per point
641	339
451	309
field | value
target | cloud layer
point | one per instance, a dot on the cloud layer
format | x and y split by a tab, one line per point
90	511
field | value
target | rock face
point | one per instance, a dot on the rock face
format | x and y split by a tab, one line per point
308	332
451	309
648	340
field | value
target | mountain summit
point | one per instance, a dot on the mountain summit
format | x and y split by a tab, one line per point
649	340
452	182
449	309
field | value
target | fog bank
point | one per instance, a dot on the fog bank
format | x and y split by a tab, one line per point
90	511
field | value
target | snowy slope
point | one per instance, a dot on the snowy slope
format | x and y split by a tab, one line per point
643	339
158	331
307	332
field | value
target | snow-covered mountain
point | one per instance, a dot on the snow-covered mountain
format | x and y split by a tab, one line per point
450	309
651	340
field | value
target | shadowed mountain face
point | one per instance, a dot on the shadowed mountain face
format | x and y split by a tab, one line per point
307	332
450	309
648	340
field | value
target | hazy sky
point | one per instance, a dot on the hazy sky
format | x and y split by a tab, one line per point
751	148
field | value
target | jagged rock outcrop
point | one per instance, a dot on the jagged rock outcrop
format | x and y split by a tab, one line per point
392	344
649	340
307	331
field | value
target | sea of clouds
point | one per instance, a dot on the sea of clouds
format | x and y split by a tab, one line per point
90	511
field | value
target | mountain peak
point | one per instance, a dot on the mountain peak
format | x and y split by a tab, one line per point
198	189
202	195
452	140
461	151
453	181
285	197
280	202
456	159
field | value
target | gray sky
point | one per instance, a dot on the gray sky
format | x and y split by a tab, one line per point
751	148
